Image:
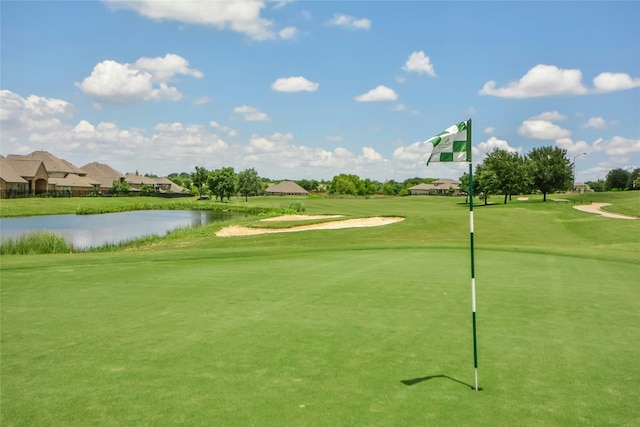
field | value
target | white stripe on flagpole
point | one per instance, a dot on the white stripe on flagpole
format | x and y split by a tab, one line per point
473	294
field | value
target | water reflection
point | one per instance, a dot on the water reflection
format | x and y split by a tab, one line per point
85	231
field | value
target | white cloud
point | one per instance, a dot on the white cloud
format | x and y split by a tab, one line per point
202	100
610	82
541	80
549	116
369	153
243	17
144	80
13	107
251	114
288	33
412	153
489	130
380	93
34	115
617	146
419	63
165	68
398	107
573	147
480	150
294	84
595	122
350	22
542	129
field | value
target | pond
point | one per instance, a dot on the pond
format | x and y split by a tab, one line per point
87	231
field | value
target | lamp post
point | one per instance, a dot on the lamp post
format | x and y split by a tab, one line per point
574	169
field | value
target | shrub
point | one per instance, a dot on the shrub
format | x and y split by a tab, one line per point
297	206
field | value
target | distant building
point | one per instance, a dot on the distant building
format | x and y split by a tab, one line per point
23	177
286	188
581	187
440	187
49	174
103	174
41	172
11	183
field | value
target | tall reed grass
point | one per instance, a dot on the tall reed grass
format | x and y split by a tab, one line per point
40	242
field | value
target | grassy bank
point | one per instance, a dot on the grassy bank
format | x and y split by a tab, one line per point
345	327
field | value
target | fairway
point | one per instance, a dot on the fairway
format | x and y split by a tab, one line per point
363	326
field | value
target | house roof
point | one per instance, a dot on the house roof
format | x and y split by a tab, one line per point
446	182
133	178
423	186
73	180
286	187
52	163
172	185
441	184
8	173
25	167
102	173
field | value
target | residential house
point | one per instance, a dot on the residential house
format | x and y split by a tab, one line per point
441	187
103	174
31	171
63	178
166	185
286	188
581	187
136	181
11	183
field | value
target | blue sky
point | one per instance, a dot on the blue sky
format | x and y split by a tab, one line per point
312	89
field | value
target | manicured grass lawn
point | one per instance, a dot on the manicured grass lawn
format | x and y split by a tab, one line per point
321	328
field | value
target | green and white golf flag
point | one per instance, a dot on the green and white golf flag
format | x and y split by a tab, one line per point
452	145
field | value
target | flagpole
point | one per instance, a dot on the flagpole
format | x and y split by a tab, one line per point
473	274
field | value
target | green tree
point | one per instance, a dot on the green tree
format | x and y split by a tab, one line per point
485	182
371	187
147	189
464	186
617	179
392	188
223	182
509	171
634	180
346	184
249	183
550	170
342	185
308	184
120	187
598	186
200	178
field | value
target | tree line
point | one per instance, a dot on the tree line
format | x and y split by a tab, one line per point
543	169
504	173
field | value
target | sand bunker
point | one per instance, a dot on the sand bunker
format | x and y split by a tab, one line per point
595	208
299	217
237	230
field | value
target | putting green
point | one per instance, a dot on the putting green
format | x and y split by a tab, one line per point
318	337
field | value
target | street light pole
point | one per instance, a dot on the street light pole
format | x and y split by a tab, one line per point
574	169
